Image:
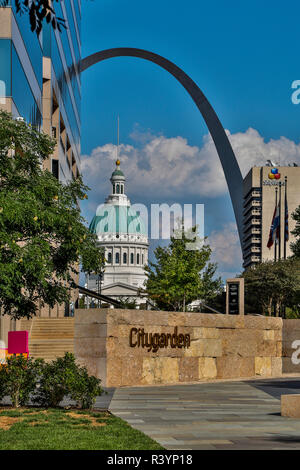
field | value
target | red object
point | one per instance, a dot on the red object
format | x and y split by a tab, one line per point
18	342
277	176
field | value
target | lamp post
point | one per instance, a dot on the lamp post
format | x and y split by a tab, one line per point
99	284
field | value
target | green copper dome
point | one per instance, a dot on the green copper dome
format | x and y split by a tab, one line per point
116	216
117	219
117	173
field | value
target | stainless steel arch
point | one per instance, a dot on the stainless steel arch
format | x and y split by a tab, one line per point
227	157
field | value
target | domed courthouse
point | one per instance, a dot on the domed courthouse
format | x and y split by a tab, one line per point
123	235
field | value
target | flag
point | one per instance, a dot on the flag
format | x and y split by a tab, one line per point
286	220
274	230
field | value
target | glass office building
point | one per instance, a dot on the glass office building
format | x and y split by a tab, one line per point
40	80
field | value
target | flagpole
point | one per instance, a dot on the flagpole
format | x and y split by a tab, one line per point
285	216
275	244
279	250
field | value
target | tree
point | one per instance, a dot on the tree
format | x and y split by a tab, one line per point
180	275
128	302
212	287
273	283
82	301
37	11
296	245
43	237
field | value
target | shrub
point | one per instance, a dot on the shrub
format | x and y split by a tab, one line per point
3	381
18	378
63	377
47	383
55	381
85	388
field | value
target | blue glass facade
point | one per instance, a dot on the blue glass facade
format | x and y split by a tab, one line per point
21	92
32	45
68	86
64	49
5	67
21	67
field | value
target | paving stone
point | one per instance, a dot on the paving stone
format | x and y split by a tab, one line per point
220	415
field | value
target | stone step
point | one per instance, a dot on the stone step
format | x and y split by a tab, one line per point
52	334
50	341
53	322
51	337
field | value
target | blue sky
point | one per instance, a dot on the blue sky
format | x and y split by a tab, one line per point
244	57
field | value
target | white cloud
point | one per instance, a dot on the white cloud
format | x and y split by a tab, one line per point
170	166
251	150
225	245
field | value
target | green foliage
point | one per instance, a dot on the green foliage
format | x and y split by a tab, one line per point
181	275
272	283
55	381
218	302
296	232
63	377
84	388
3	381
42	234
18	379
37	11
212	287
49	429
81	303
128	303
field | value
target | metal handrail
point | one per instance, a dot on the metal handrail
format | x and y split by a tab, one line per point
97	296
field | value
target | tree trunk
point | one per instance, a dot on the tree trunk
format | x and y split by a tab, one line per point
184	302
15	399
269	308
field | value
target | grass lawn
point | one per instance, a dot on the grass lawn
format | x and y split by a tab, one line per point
36	428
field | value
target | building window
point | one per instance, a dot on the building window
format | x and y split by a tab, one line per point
122	189
54	168
118	189
124	258
138	259
117	258
131	258
142	258
109	258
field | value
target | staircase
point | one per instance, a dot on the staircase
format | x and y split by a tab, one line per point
49	338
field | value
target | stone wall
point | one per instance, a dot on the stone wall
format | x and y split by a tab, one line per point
221	346
290	333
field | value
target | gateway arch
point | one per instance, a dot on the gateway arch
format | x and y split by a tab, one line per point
227	157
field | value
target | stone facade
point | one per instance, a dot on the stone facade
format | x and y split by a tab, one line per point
221	346
290	334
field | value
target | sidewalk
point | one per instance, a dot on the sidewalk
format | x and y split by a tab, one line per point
219	415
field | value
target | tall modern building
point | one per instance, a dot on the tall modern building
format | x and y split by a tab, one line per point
260	188
122	233
40	82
